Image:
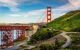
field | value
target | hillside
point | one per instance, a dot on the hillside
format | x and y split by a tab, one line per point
45	34
67	22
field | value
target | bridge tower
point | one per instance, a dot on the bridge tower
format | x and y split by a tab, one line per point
49	14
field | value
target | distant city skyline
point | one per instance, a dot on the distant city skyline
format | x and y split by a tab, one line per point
31	11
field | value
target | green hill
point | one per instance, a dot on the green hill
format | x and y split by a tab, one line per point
67	22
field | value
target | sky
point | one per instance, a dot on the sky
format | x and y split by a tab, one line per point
32	11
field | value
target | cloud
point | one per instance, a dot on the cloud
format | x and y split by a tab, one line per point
66	7
30	17
13	4
75	3
28	1
72	5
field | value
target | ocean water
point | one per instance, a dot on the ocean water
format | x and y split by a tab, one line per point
13	32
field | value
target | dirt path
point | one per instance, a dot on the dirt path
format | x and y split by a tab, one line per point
68	40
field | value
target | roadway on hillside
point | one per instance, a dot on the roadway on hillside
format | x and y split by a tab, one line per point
68	40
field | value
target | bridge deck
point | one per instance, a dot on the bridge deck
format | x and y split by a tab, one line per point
14	27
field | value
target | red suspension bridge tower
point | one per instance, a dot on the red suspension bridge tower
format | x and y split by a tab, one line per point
49	16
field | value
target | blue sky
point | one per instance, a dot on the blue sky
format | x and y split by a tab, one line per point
29	11
33	5
41	4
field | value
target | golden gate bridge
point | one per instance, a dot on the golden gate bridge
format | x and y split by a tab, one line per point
7	38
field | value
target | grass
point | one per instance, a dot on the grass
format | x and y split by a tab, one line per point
63	23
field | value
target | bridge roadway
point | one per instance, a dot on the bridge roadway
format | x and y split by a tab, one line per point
13	27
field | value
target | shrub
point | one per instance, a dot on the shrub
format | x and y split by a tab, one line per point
46	47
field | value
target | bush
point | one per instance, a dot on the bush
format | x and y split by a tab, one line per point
42	34
76	30
46	47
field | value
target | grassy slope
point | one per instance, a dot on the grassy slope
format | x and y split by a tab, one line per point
63	23
66	23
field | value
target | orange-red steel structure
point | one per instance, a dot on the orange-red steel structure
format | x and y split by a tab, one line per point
7	35
49	9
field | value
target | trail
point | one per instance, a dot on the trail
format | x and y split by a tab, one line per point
68	42
71	16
